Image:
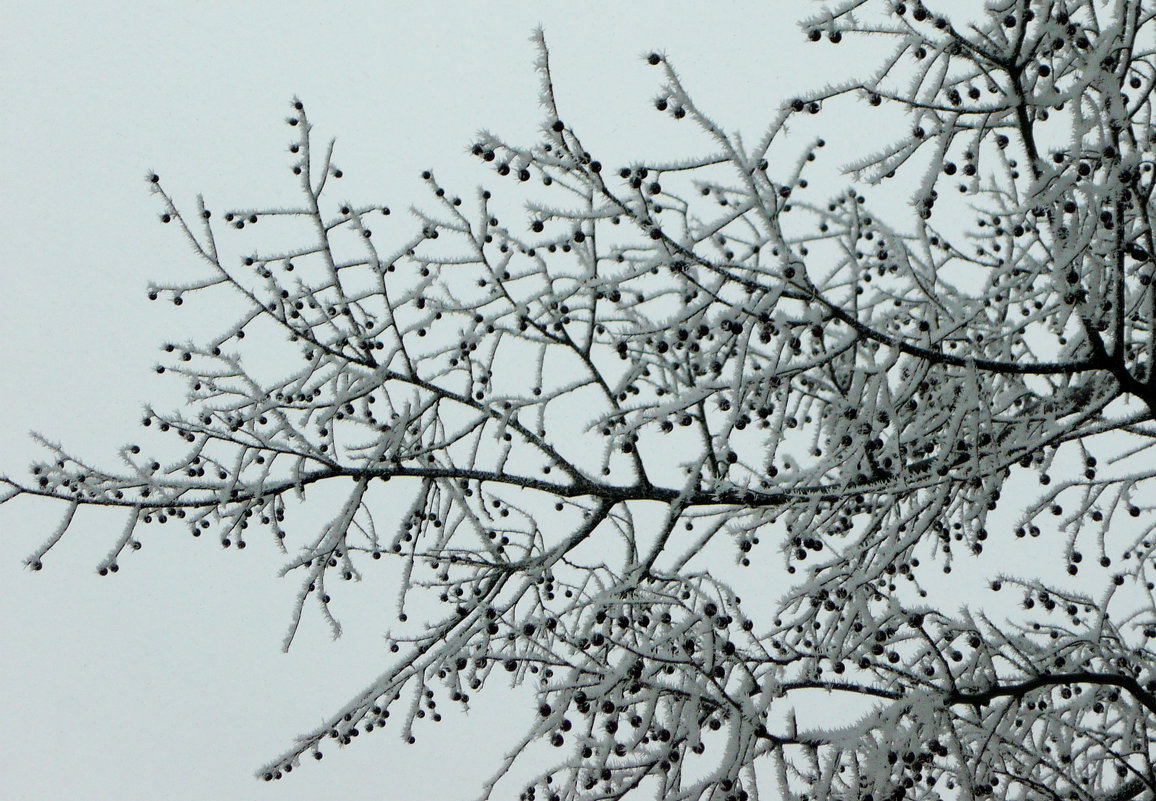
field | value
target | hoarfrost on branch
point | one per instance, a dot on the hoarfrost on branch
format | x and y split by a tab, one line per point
573	427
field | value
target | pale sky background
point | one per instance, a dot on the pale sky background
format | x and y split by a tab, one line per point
167	679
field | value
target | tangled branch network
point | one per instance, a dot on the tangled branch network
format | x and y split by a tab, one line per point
572	431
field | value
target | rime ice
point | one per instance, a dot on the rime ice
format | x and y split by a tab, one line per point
576	423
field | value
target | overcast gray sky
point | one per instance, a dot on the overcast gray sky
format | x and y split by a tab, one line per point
167	680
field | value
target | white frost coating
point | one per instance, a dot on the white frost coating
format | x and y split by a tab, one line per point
685	444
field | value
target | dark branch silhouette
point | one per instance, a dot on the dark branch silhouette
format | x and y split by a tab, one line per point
572	428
